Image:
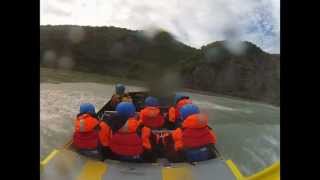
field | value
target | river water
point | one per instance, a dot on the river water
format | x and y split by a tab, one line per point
247	132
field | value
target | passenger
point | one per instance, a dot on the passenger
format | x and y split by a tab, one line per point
104	139
86	133
173	112
128	143
120	95
194	140
150	115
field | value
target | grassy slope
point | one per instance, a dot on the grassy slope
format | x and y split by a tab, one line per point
48	75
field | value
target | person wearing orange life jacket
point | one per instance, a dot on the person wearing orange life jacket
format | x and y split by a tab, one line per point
86	133
104	139
127	142
120	95
150	115
174	112
194	139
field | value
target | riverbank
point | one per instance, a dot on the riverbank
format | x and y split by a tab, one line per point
49	75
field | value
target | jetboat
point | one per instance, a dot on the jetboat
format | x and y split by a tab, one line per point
65	164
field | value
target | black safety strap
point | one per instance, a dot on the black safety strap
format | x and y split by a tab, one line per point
139	130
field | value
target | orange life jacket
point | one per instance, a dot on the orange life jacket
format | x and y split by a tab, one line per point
194	133
127	142
151	117
174	111
104	134
115	99
86	135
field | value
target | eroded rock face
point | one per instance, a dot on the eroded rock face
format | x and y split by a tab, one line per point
254	74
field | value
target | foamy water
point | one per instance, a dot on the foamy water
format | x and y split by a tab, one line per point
59	104
209	105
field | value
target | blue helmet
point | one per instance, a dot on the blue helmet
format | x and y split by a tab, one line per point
120	88
179	96
87	108
188	110
151	101
126	109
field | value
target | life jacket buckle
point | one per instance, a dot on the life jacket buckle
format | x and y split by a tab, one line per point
203	149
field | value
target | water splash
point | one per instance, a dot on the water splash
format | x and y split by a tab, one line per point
167	82
213	106
150	32
76	34
236	47
66	62
58	108
117	50
49	58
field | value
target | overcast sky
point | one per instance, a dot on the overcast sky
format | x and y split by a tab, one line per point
194	22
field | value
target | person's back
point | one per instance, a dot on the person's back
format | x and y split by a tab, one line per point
174	111
150	115
128	143
194	139
86	132
125	142
105	134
